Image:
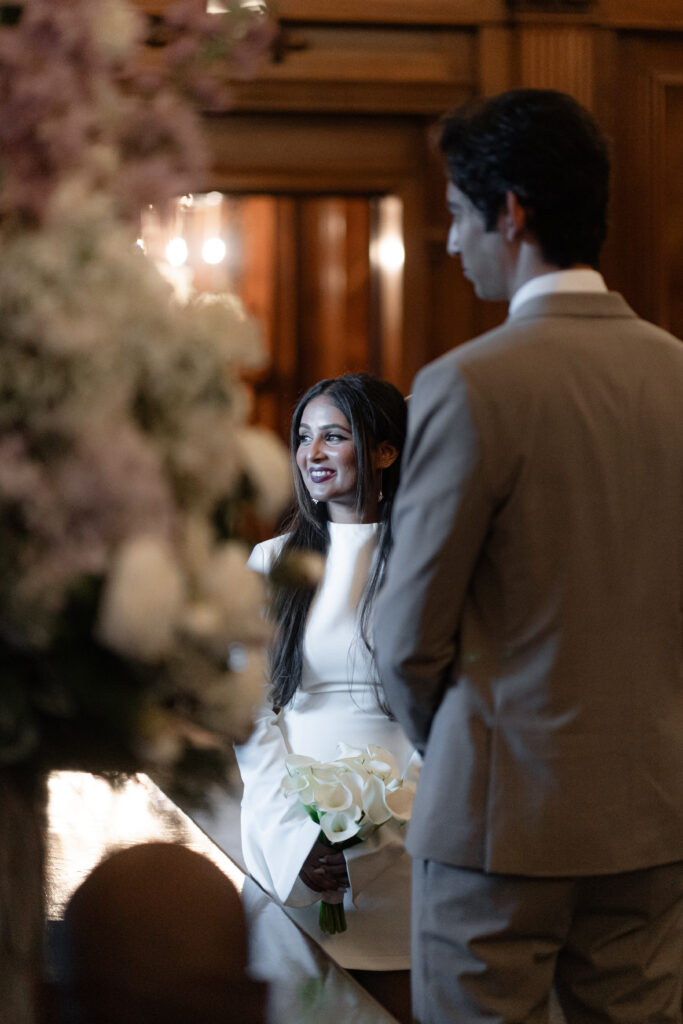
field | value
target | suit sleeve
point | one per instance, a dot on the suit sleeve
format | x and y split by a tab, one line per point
440	519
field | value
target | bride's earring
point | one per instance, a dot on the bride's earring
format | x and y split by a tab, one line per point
380	496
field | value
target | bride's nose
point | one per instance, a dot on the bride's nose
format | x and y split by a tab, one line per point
315	452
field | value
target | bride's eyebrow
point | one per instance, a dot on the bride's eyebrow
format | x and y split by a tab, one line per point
326	426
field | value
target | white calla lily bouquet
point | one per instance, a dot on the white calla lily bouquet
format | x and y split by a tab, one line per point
350	798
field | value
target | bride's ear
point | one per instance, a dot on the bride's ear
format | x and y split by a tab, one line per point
385	455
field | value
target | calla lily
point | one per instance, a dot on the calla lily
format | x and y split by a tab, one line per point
295	762
345	751
294	784
349	798
327	773
354	782
400	802
374	803
381	762
333	797
354	764
340	825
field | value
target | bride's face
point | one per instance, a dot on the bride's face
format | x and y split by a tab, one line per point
326	458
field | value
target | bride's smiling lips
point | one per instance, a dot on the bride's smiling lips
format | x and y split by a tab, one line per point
319	475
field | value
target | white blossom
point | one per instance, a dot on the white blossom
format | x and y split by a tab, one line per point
142	600
340	826
266	464
235	593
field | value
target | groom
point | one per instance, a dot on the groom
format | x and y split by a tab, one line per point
529	635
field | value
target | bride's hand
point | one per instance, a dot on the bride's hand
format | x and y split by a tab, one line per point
324	870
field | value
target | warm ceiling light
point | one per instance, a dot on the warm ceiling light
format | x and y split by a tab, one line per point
213	250
391	253
176	251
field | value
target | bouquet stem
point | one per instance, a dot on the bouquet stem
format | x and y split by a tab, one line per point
332	918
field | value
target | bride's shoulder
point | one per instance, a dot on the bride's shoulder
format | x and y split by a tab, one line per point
263	555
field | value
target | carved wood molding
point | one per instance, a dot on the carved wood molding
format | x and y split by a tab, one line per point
552	6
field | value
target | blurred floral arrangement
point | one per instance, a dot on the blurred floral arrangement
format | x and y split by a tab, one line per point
130	632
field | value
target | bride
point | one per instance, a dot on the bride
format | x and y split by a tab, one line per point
346	438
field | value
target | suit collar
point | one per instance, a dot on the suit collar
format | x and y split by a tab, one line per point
574	279
575	304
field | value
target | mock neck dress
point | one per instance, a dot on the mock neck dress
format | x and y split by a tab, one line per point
335	702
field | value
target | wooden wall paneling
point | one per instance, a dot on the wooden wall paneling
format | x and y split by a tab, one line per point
558	57
385	334
286	383
642	14
355	68
378	12
401	366
495	59
318	295
287	153
333	320
423	12
270	291
666	14
672	212
259	230
363	156
648	201
358	292
607	107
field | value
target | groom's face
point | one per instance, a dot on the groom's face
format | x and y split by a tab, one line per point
480	251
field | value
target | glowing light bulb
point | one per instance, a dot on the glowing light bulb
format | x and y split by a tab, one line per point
391	252
213	250
176	251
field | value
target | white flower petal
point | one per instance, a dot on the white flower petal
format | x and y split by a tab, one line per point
266	462
294	784
381	762
340	826
345	751
400	802
354	781
354	764
332	797
142	600
327	773
374	803
297	762
307	796
235	592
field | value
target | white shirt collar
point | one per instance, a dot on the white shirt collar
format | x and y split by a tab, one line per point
581	280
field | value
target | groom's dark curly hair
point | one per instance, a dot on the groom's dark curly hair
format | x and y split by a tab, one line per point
549	151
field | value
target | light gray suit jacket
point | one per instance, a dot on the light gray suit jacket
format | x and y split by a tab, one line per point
529	634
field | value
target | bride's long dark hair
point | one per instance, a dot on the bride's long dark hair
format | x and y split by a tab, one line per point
376	411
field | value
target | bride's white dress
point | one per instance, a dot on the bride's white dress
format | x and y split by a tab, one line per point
335	703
